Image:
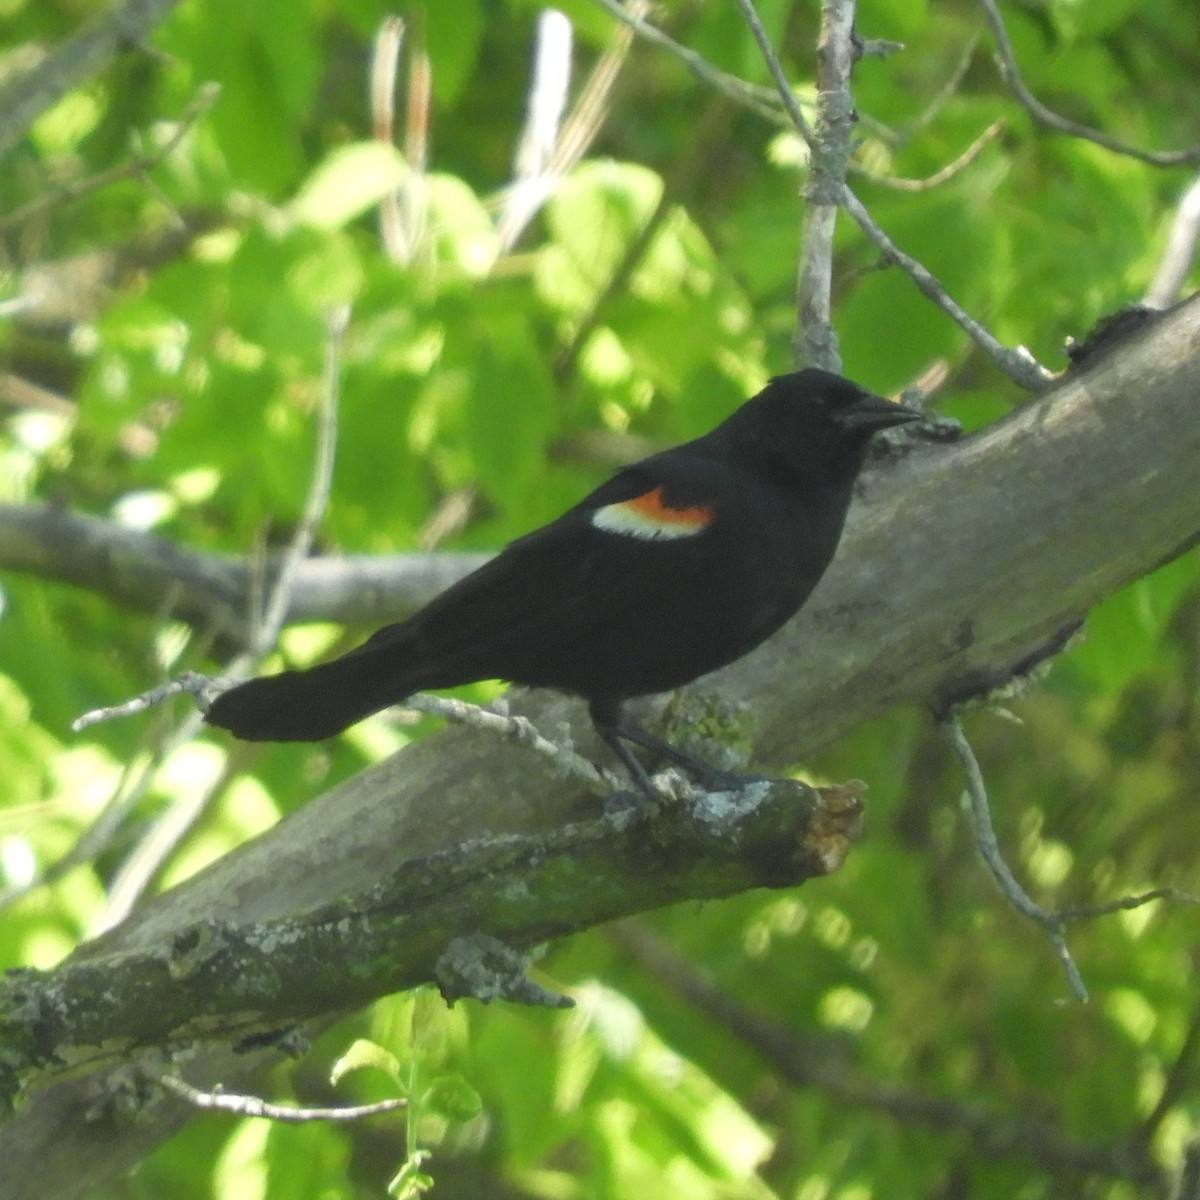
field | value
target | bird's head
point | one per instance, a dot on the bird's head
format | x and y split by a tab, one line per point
813	422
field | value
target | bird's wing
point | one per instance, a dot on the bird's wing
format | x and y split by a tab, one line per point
586	560
545	607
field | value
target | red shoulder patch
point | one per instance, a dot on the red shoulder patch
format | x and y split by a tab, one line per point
650	516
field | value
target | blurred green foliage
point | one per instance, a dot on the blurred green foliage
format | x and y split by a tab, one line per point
653	291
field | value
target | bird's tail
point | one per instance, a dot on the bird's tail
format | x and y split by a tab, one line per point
308	706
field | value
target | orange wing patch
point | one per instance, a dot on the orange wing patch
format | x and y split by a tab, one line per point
649	516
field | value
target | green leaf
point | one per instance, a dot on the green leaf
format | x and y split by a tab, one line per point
362	1054
347	182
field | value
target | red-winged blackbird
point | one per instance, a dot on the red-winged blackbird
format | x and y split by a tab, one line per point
677	565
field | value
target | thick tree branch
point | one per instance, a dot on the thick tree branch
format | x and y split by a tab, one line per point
148	573
969	563
239	972
961	565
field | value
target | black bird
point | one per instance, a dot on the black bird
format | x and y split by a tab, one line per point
677	565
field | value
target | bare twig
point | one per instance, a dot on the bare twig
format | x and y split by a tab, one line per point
173	824
16	392
203	689
758	99
413	197
1188	1183
964	160
985	838
782	86
317	500
402	215
587	115
1179	1081
547	150
73	190
252	1106
135	780
815	343
615	286
166	832
1180	252
948	88
1054	923
1059	123
1085	912
265	625
685	173
568	764
1019	365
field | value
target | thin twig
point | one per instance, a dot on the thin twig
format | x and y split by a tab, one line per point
1178	1082
414	198
134	781
683	176
985	838
251	1106
66	192
1054	923
587	115
946	173
1019	365
1180	252
758	99
202	688
1085	912
263	639
1188	1182
159	841
173	824
947	90
1055	121
266	624
616	284
549	150
568	764
775	67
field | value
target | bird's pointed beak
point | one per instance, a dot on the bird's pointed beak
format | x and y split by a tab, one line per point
875	412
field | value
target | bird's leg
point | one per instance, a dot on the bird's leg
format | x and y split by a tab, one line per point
606	718
617	731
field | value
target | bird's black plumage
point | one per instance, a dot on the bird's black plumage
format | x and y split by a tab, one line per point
677	565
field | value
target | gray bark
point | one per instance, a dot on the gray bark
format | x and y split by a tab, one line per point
961	564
